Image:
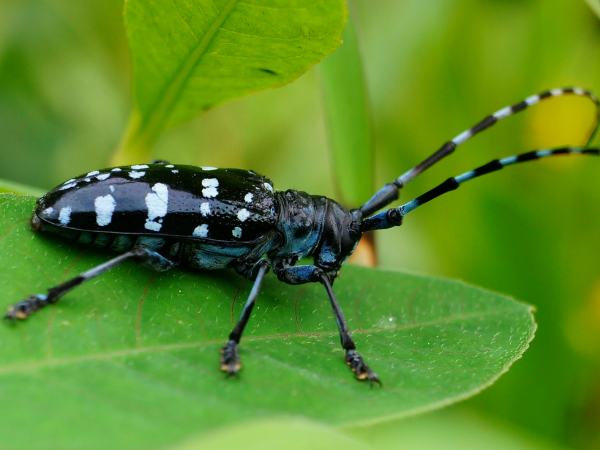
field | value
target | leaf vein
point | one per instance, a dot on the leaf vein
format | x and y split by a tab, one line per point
161	348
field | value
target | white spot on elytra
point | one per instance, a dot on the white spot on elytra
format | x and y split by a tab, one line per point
136	175
205	208
116	169
243	214
103	176
65	216
201	231
169	166
152	226
105	207
248	198
237	232
208	168
47	211
175	171
92	173
139	167
87	180
67	186
268	186
69	181
157	203
210	187
112	189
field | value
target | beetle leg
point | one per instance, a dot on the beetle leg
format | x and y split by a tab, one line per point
27	307
230	358
361	370
311	274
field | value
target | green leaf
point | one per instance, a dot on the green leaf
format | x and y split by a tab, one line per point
349	122
190	55
595	5
12	187
130	360
455	428
275	434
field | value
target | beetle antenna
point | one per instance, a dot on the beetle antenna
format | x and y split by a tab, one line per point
389	192
393	217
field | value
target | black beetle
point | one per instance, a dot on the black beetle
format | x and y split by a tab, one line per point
162	215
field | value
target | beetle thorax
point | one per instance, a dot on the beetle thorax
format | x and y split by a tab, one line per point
314	225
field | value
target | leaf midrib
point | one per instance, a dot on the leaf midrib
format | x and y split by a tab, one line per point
171	93
7	370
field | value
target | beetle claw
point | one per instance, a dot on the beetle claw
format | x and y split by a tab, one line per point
25	308
230	358
361	370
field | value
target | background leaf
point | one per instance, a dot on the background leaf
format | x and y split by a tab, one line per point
12	187
130	360
348	120
191	55
454	428
275	434
595	5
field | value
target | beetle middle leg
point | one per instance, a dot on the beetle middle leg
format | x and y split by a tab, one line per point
308	274
144	256
230	358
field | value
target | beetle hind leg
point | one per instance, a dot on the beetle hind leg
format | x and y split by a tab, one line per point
230	356
27	307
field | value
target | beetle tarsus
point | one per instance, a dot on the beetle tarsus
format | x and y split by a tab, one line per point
25	308
230	358
361	370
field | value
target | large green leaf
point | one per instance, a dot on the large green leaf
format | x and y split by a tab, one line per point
130	360
190	55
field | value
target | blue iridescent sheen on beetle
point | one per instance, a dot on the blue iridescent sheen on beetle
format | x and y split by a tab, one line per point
163	215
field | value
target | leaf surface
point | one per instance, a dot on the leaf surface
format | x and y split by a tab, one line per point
190	55
130	360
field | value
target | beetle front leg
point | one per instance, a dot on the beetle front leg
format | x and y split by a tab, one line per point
27	307
230	358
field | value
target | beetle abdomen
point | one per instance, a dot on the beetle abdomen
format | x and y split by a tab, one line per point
229	205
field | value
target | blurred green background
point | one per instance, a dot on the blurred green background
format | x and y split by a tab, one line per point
432	69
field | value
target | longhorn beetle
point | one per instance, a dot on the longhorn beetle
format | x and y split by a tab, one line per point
162	215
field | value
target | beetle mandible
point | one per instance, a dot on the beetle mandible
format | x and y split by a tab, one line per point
162	215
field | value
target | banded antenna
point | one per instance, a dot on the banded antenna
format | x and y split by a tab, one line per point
393	217
390	191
